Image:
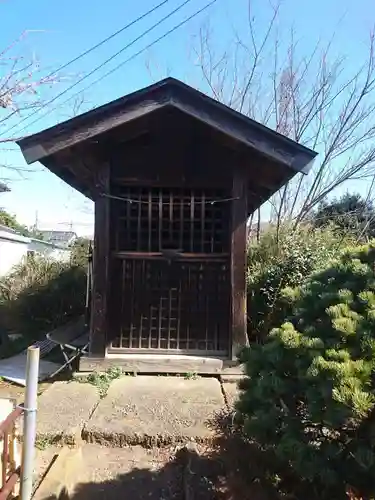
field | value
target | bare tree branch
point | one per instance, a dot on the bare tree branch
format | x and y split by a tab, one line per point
22	87
312	98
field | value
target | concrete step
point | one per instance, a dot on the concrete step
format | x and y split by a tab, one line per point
143	410
159	411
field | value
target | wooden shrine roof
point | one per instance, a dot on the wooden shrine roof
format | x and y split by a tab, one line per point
57	147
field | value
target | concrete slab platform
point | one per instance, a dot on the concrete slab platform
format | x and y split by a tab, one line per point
43	460
158	411
152	363
132	473
231	393
60	479
232	369
63	409
233	379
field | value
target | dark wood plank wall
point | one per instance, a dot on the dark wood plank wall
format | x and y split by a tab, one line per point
238	260
101	262
144	163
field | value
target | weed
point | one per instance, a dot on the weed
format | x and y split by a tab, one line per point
102	380
43	442
191	376
39	295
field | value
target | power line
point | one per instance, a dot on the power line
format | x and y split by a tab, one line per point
99	44
91	49
157	201
169	32
97	68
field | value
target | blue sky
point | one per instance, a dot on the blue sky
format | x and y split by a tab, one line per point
61	30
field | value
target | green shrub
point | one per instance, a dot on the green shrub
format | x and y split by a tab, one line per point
80	250
40	295
309	394
281	260
103	380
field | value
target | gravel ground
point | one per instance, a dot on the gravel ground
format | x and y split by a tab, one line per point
133	472
8	389
195	472
43	460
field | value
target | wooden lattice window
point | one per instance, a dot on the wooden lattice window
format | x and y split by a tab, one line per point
155	219
180	306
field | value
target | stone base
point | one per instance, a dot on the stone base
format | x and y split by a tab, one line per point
231	394
161	364
156	411
63	410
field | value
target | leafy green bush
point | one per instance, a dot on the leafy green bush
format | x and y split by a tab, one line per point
80	250
40	295
281	260
309	394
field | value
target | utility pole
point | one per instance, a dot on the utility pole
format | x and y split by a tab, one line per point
36	220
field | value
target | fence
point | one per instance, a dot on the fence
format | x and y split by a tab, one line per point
11	473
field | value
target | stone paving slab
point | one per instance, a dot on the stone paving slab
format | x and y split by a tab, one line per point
63	409
61	477
42	462
133	473
156	411
231	393
234	379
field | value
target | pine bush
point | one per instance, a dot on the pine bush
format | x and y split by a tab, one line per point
309	393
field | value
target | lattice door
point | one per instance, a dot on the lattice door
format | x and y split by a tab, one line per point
181	306
162	304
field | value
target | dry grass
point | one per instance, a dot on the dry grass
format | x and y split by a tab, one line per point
40	295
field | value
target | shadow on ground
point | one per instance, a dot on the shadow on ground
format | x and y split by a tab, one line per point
228	469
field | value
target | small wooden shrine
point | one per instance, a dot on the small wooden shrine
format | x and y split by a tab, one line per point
174	176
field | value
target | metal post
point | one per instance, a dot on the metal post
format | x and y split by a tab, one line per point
29	423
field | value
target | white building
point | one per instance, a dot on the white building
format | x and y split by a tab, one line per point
50	250
15	248
63	239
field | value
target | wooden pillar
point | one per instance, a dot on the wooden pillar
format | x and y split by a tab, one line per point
238	262
99	320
